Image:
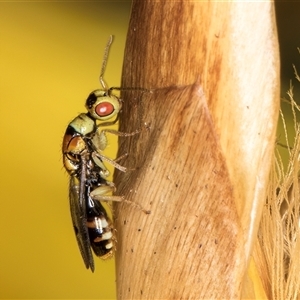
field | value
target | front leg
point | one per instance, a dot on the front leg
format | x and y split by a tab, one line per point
99	139
125	134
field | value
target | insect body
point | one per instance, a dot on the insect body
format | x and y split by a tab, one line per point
83	143
82	148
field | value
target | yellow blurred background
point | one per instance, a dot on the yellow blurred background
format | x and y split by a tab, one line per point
51	55
50	60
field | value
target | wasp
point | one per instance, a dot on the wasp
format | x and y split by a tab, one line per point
82	148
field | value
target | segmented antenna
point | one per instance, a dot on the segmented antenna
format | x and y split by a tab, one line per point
105	56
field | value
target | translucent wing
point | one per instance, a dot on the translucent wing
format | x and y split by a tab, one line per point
79	219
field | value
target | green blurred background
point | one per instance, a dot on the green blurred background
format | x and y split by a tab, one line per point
50	59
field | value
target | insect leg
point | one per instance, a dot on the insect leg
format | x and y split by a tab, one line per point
118	133
99	194
97	157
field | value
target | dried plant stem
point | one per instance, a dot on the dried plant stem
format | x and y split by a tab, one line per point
211	69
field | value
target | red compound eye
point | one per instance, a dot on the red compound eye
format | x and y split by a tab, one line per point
104	109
